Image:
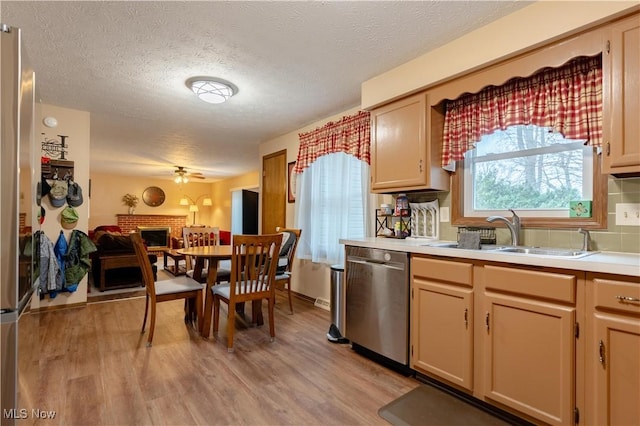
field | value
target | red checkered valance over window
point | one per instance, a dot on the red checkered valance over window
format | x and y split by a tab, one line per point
567	100
351	135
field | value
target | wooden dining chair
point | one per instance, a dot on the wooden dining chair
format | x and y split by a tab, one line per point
203	236
254	261
176	288
290	239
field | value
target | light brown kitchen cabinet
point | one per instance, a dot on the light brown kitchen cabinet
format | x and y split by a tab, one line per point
613	350
442	320
529	347
402	157
621	109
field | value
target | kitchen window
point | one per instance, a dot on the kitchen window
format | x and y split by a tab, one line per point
332	172
527	168
529	145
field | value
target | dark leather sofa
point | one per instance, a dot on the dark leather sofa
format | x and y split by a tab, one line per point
114	264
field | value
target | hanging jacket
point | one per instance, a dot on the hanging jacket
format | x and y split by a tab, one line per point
77	261
50	273
60	250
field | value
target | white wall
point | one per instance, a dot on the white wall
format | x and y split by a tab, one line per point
531	26
76	125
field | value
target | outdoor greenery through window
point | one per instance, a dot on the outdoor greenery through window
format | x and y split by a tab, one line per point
529	169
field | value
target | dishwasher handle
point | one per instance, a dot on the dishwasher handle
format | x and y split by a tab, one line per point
398	267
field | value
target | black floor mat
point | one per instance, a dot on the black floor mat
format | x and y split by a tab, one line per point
426	405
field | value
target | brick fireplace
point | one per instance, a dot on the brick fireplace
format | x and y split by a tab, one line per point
131	222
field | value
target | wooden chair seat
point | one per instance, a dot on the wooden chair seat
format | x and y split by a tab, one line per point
177	284
161	291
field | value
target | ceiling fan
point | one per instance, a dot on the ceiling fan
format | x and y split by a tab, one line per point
182	176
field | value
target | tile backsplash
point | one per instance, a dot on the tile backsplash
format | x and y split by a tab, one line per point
619	238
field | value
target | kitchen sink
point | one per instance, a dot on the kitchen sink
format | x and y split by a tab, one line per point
455	245
546	251
554	252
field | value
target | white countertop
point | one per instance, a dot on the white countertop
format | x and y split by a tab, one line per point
606	262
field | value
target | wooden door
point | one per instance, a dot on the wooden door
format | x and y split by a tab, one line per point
274	191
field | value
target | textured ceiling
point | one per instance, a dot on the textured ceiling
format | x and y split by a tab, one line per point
293	62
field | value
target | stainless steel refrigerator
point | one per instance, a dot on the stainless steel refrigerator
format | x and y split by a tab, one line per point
19	251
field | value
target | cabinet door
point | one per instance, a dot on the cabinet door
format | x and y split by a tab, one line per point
617	376
398	144
442	331
530	357
621	85
618	371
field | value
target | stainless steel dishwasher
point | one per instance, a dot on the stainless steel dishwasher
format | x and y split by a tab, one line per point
377	301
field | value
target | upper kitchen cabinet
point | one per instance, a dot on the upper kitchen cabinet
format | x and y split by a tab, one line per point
403	157
621	84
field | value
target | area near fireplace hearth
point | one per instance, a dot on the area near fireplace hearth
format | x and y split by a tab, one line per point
153	223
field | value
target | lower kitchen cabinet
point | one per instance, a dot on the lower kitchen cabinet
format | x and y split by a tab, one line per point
613	350
530	344
552	346
442	320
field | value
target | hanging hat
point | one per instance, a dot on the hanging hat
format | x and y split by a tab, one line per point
41	215
74	195
58	193
46	187
69	217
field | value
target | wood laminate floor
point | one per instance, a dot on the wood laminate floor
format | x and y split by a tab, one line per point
91	366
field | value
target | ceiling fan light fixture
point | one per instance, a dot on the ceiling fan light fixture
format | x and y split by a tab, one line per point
211	90
181	179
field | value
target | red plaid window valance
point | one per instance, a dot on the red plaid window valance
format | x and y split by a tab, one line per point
351	135
567	100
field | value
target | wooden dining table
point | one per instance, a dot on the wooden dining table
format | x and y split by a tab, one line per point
211	256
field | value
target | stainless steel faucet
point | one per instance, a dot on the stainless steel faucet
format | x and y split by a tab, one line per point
513	225
585	240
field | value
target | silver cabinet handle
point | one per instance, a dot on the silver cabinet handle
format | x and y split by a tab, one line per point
627	299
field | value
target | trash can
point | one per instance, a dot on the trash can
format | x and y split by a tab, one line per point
338	296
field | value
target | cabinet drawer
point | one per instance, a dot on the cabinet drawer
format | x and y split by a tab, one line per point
619	295
547	285
443	270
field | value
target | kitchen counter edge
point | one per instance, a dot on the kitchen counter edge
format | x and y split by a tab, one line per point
605	262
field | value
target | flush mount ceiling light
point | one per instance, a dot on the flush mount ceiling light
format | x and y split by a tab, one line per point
212	90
